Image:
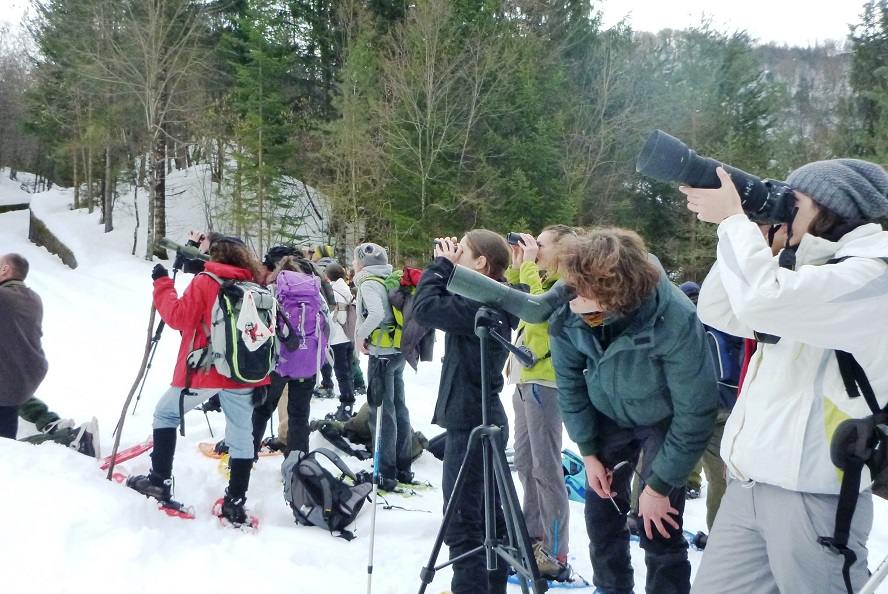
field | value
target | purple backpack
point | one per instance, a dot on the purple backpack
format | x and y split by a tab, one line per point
299	296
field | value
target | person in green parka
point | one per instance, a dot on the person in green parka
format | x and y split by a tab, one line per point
634	376
538	427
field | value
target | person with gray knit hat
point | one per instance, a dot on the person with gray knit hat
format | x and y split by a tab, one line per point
853	189
378	336
783	488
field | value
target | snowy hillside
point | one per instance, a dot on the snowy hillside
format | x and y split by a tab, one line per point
68	530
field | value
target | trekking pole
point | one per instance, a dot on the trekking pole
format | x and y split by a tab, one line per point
154	341
878	576
119	429
207	417
375	494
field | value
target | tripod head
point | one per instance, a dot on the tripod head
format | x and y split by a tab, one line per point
489	320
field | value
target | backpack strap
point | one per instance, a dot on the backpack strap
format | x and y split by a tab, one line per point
854	458
335	459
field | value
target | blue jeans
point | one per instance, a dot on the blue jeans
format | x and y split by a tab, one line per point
237	405
386	384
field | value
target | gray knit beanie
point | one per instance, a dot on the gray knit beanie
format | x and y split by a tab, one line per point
370	254
852	188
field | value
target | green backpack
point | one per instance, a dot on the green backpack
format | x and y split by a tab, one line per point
390	336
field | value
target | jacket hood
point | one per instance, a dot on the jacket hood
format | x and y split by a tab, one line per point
866	241
382	270
228	271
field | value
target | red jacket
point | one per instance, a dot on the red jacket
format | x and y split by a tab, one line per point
190	314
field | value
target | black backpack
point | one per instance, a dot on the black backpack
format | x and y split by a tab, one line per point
857	443
320	499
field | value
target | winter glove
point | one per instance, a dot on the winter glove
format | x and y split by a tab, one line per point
159	271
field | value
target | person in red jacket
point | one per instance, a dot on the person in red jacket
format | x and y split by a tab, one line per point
190	314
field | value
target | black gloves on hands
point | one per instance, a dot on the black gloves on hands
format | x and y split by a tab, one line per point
159	271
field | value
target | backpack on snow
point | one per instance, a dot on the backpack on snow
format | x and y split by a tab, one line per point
305	311
320	499
242	339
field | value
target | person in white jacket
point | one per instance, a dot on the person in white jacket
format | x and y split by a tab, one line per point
783	487
342	331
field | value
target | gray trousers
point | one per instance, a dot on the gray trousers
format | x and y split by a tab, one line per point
538	462
764	541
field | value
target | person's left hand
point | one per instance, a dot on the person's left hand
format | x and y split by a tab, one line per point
159	271
716	204
531	247
448	247
656	510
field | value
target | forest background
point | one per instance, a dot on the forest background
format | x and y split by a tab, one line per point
405	121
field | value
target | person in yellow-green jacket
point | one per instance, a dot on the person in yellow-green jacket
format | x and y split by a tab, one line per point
538	426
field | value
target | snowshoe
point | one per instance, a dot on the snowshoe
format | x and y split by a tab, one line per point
231	512
550	567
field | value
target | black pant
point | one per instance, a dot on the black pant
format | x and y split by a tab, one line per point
8	421
326	376
668	569
466	528
343	353
298	410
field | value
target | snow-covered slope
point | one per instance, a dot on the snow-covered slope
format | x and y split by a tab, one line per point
68	530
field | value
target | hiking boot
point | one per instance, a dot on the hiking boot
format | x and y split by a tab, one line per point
152	485
699	540
86	439
550	567
343	413
221	447
406	477
693	493
233	509
273	444
57	425
388	484
322	393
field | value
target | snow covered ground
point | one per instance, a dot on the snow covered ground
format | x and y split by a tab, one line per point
69	530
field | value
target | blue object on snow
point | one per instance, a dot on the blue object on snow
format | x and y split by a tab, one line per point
574	475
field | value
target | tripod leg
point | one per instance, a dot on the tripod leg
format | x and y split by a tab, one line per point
515	524
427	574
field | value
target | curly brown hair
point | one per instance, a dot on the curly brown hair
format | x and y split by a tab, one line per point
610	265
233	251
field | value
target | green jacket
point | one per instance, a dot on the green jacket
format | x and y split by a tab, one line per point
536	336
656	370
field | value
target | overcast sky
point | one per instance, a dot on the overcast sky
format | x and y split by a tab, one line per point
794	22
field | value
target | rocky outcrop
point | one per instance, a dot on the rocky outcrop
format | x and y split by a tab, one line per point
40	234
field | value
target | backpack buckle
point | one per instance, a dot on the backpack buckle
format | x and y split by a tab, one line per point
835	548
196	358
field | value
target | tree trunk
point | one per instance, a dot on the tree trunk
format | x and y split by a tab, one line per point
109	203
158	192
76	180
89	180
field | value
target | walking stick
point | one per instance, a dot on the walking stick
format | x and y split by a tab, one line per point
119	429
375	494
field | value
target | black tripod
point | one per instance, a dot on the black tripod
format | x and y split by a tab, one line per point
516	549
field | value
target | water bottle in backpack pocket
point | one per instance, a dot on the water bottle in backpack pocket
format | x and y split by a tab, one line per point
305	311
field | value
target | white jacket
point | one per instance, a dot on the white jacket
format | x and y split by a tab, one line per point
342	293
793	397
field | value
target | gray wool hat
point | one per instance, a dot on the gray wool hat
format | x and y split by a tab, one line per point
370	254
852	188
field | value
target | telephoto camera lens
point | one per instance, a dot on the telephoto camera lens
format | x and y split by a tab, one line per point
666	158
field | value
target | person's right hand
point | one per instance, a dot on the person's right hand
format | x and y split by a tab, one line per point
598	477
517	255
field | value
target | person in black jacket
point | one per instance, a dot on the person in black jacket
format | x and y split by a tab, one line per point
458	409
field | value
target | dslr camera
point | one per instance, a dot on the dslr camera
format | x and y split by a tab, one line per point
666	158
